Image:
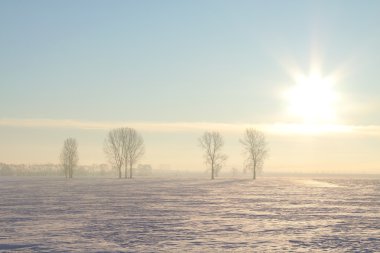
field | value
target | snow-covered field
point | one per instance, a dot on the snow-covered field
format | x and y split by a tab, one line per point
189	215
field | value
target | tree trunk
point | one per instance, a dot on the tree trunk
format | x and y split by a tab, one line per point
212	171
126	171
119	172
254	172
130	170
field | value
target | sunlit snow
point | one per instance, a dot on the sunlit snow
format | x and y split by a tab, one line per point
192	215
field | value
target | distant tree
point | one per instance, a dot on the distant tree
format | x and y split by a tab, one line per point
134	149
255	149
212	143
114	148
69	157
124	146
6	170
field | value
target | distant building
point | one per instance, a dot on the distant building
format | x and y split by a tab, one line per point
144	170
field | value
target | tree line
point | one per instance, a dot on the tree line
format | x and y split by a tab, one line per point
50	169
124	147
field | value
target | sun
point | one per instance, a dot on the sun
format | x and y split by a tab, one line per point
313	99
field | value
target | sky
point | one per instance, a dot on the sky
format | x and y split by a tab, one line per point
303	72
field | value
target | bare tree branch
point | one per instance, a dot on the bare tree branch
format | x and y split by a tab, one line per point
212	143
69	157
255	149
113	147
135	148
124	146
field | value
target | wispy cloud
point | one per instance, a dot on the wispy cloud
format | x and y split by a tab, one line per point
275	128
105	125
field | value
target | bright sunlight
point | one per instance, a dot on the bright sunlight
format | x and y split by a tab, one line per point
312	100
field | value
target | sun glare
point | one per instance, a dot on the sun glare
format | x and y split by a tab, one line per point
312	100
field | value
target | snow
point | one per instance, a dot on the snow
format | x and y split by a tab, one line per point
193	215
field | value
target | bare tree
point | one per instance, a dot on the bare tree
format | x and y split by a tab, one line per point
69	157
134	149
212	143
255	149
114	148
124	146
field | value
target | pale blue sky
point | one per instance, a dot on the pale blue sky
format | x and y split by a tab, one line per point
177	61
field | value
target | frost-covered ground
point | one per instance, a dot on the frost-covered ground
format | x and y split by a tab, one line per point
188	215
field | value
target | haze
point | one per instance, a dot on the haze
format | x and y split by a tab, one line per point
304	72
